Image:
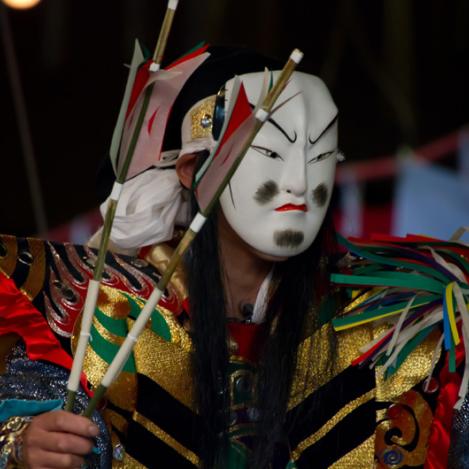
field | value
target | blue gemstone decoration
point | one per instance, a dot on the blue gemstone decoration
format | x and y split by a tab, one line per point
392	457
118	452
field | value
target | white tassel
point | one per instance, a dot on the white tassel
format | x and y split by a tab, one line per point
400	323
371	344
391	360
454	269
405	336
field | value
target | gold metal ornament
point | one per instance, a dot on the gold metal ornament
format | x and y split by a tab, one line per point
202	118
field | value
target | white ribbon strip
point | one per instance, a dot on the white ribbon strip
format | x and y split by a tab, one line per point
197	223
132	338
116	191
262	115
410	332
370	345
260	305
296	56
400	323
154	67
454	269
88	336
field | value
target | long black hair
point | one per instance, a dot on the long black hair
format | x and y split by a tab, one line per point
301	282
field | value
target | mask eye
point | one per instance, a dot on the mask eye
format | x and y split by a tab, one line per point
321	157
266	152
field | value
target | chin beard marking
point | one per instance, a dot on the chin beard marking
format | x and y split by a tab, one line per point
288	238
320	194
266	192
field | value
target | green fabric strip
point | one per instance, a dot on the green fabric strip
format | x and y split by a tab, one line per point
236	457
134	307
147	53
367	269
158	323
368	316
107	350
364	252
327	309
193	49
115	326
394	279
452	359
159	326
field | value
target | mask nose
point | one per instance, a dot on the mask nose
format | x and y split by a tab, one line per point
293	180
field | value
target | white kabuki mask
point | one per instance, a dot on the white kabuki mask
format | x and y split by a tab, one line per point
278	197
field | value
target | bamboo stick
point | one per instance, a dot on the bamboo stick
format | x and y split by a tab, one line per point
93	288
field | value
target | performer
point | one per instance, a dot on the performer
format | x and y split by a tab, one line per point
240	366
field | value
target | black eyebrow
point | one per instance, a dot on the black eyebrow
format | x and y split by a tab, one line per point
278	127
328	126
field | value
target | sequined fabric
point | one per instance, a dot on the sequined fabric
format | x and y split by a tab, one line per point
458	457
34	380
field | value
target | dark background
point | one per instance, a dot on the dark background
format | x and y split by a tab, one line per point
398	70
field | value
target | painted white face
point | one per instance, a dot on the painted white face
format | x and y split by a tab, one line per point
278	197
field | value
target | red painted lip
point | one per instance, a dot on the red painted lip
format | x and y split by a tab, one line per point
289	207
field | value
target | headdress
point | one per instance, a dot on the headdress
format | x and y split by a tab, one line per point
153	201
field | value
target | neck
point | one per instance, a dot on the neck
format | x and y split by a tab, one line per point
243	270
